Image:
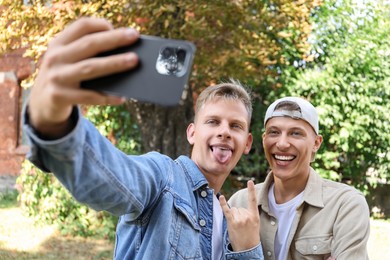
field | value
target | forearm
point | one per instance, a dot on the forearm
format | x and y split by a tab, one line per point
79	167
94	171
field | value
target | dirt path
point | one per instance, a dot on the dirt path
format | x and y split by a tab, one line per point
379	241
21	239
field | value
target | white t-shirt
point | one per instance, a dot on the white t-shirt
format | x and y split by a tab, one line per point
285	214
217	238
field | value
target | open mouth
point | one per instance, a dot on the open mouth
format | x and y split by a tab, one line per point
222	153
286	158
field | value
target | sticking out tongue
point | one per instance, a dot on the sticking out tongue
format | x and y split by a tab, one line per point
222	155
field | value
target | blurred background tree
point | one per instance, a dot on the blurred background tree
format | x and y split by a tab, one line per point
349	82
334	53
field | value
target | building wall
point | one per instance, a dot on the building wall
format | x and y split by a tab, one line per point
13	69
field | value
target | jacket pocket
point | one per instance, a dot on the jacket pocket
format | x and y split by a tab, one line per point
184	234
314	245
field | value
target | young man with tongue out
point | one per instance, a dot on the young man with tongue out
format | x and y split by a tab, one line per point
302	215
168	208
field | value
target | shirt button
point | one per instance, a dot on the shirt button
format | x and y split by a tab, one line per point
315	248
202	222
273	223
269	253
203	193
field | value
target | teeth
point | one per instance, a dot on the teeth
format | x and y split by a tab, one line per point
221	148
284	158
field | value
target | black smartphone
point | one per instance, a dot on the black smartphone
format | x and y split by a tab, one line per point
160	77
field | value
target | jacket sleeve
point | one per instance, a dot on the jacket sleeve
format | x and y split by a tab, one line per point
351	229
255	253
97	173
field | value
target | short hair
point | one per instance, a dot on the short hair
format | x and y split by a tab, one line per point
288	105
232	90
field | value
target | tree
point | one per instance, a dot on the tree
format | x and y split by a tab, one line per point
246	40
349	83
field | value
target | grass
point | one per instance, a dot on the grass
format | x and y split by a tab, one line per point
21	239
8	199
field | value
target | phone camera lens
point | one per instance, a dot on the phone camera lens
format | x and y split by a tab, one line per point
166	53
171	61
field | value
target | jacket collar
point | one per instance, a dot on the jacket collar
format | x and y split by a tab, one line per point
312	193
313	190
193	174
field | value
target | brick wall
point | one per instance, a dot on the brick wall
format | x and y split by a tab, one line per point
13	69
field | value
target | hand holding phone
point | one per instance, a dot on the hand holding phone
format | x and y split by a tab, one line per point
161	75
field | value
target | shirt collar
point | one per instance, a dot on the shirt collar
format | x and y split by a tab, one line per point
312	193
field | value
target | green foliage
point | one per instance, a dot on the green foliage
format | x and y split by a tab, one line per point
247	40
116	123
8	199
349	84
265	44
47	201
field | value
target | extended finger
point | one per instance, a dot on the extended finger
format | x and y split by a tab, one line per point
96	67
225	208
90	45
87	97
80	28
252	201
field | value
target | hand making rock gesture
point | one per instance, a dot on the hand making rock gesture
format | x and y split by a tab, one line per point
243	224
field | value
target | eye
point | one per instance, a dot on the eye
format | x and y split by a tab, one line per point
211	122
296	133
272	132
238	126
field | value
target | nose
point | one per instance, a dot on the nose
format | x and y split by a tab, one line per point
224	131
282	142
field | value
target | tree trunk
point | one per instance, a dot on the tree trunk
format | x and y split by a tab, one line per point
163	129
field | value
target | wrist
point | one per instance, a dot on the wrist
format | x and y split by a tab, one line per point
51	130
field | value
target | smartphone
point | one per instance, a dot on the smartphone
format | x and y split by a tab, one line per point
161	75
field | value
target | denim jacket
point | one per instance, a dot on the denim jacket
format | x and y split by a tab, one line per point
165	205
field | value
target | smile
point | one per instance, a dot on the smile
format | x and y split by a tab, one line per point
284	157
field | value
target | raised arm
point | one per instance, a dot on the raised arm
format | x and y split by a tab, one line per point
70	60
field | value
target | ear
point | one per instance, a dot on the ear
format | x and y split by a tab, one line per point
317	143
191	133
263	137
248	145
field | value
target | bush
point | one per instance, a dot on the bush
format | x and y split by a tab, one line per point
44	199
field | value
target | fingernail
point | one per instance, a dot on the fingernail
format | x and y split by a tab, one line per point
116	100
131	58
132	33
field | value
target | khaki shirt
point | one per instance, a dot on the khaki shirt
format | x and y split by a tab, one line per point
333	220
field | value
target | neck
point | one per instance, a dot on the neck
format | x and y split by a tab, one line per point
286	190
215	181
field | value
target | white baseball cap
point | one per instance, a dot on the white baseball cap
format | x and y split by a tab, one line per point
307	113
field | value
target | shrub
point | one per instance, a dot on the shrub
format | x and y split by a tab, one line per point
44	199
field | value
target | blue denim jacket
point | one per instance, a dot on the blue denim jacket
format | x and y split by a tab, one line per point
164	211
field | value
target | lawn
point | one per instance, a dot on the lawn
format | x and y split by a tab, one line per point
21	239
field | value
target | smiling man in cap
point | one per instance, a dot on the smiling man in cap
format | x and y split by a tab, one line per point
302	215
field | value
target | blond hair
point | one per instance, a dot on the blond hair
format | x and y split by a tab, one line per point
232	90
